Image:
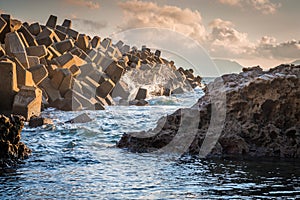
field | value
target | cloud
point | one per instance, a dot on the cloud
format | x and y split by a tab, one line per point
225	40
86	3
264	6
230	2
268	47
140	14
86	25
220	38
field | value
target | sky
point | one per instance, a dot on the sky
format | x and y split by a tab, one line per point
251	32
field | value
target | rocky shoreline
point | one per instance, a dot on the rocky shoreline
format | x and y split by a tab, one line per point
12	149
258	111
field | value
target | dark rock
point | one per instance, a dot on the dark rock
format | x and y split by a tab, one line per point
259	115
11	149
83	118
39	121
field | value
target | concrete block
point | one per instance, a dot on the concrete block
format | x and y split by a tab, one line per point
24	77
82	42
39	51
95	43
2	24
51	23
92	83
141	94
28	102
53	93
157	53
105	88
47	37
121	90
92	53
75	70
39	73
23	40
35	28
114	71
109	100
97	75
86	69
2	51
67	83
58	77
178	90
6	29
85	102
8	84
52	53
67	23
65	60
64	45
33	60
61	35
125	49
87	91
145	67
28	36
72	33
15	47
79	61
47	41
61	29
105	43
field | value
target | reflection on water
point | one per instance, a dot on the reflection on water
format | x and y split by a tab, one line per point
72	161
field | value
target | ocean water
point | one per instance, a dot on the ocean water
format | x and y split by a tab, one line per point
80	161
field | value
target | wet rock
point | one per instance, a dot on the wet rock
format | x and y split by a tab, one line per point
39	121
11	148
83	118
258	114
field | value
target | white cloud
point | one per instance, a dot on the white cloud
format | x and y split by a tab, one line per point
85	3
221	38
139	14
264	6
225	40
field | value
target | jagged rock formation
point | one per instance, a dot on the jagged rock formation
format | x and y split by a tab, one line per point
261	117
11	149
55	66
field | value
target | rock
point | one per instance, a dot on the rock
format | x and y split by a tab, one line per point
136	102
39	121
259	117
11	148
28	102
83	118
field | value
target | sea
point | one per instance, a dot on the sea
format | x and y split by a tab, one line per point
81	161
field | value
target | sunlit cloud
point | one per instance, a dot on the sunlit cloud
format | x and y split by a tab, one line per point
264	6
86	3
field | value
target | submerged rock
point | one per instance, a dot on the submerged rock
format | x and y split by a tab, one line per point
254	113
83	118
11	148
